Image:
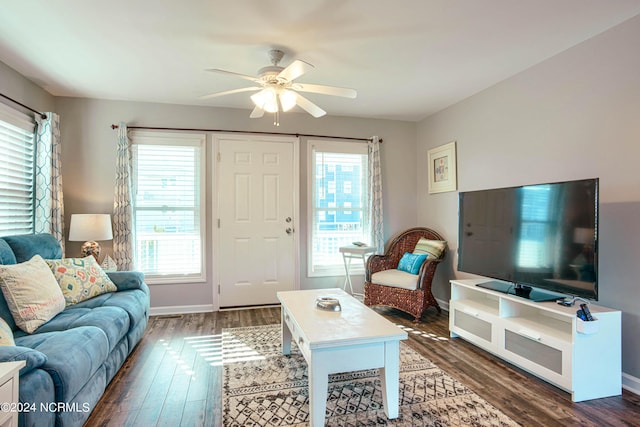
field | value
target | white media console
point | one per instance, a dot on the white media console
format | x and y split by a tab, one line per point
543	338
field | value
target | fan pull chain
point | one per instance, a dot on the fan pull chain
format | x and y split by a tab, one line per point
276	118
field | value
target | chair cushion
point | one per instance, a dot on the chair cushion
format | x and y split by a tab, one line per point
396	278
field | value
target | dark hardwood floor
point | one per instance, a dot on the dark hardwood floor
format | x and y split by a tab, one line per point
167	382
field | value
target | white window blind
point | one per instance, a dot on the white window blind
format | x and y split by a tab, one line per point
168	212
16	172
338	205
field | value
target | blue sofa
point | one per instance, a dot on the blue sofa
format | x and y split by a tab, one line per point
71	358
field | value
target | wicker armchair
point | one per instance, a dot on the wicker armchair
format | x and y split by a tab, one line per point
414	302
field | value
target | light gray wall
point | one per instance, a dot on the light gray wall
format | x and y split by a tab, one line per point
89	162
573	116
16	86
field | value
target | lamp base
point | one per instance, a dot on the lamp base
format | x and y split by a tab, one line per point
91	248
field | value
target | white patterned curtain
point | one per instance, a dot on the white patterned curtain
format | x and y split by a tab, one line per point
49	207
123	229
376	224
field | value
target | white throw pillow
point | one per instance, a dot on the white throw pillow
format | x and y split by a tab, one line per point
32	293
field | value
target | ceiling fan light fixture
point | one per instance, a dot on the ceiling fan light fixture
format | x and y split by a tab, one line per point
288	99
266	99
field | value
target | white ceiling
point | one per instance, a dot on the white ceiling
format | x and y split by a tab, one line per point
406	58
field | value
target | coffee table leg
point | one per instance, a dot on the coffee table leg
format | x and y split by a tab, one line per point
390	379
286	335
318	384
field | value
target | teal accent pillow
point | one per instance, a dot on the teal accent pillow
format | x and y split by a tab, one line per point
411	263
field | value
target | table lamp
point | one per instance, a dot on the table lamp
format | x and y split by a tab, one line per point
90	228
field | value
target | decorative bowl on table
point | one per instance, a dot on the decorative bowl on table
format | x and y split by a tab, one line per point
328	304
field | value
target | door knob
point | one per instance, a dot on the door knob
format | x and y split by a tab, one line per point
289	230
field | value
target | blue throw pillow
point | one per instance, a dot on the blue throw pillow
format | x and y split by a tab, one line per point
411	263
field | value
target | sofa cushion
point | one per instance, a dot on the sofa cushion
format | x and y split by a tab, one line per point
396	279
80	278
73	356
6	334
411	263
25	246
114	322
32	293
6	254
135	302
433	248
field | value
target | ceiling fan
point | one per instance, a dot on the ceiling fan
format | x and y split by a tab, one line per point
277	91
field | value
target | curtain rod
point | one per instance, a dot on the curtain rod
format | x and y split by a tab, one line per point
42	115
247	131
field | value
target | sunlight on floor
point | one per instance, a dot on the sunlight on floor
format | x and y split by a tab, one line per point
223	349
428	335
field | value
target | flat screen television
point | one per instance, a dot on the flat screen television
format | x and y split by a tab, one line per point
538	241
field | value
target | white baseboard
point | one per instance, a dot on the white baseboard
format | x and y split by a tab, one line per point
181	309
630	383
443	304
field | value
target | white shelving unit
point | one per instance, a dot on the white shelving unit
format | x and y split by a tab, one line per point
543	338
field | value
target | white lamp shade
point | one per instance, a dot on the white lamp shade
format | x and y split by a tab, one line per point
90	227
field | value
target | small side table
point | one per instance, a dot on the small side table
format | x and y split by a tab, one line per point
9	372
350	252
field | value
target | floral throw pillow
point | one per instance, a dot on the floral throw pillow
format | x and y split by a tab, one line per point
80	278
6	334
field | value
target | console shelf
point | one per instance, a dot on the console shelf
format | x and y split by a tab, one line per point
543	338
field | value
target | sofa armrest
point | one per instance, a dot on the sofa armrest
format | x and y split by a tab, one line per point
33	358
125	280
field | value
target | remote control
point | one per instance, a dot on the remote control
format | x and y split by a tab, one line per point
587	313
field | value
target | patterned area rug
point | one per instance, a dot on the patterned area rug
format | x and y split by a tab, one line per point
262	387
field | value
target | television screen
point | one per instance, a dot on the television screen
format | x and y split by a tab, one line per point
543	235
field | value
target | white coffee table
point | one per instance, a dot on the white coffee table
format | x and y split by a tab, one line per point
353	339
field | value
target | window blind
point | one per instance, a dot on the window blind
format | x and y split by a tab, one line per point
16	172
167	208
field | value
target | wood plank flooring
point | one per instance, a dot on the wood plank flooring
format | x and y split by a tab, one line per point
166	382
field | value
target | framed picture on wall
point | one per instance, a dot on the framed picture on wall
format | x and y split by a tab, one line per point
442	168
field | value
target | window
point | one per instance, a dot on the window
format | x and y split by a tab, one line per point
338	203
168	181
17	145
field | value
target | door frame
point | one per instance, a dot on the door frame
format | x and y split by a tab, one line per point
215	178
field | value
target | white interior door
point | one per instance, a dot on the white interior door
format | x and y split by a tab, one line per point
256	196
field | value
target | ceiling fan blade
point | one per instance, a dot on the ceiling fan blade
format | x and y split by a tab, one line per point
310	107
325	90
229	92
257	113
295	70
232	74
